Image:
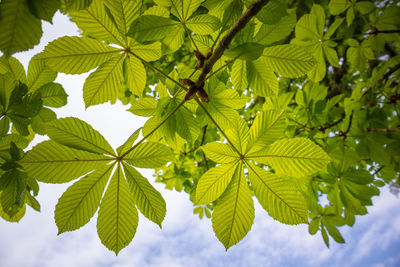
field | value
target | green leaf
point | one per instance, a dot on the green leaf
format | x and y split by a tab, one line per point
148	200
153	28
325	236
50	162
118	217
145	107
203	24
78	134
214	182
267	127
124	13
365	7
44	9
278	196
229	98
234	211
79	203
4	125
38	123
187	126
16	217
239	135
338	6
104	83
296	157
182	9
239	75
261	77
135	76
149	52
269	34
53	95
20	29
76	4
14	67
149	155
246	51
272	12
129	142
308	27
288	60
39	74
95	22
75	55
333	232
219	152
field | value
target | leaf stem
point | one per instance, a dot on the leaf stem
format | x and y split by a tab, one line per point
158	71
155	129
219	127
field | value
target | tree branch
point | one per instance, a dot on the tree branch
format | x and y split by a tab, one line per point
227	39
397	130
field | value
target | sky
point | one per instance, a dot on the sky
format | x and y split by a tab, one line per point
184	240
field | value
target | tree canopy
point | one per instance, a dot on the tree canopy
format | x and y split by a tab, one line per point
294	104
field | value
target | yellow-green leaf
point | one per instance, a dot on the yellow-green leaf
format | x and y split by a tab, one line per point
145	107
289	61
149	155
135	75
239	135
51	162
124	13
148	52
118	217
267	127
95	22
79	203
261	78
278	196
153	28
296	157
20	30
219	152
39	74
203	24
148	200
239	74
214	182
53	95
75	55
103	84
77	134
233	214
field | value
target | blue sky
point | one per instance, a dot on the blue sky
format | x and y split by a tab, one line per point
184	240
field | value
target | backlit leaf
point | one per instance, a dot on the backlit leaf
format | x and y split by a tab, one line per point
148	200
78	134
214	182
118	217
278	196
234	211
51	162
296	157
74	55
79	203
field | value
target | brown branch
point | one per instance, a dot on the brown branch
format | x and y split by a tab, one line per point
227	39
397	130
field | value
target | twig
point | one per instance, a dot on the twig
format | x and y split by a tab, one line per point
397	130
227	39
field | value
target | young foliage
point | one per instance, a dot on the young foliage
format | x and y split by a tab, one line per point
77	150
317	83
